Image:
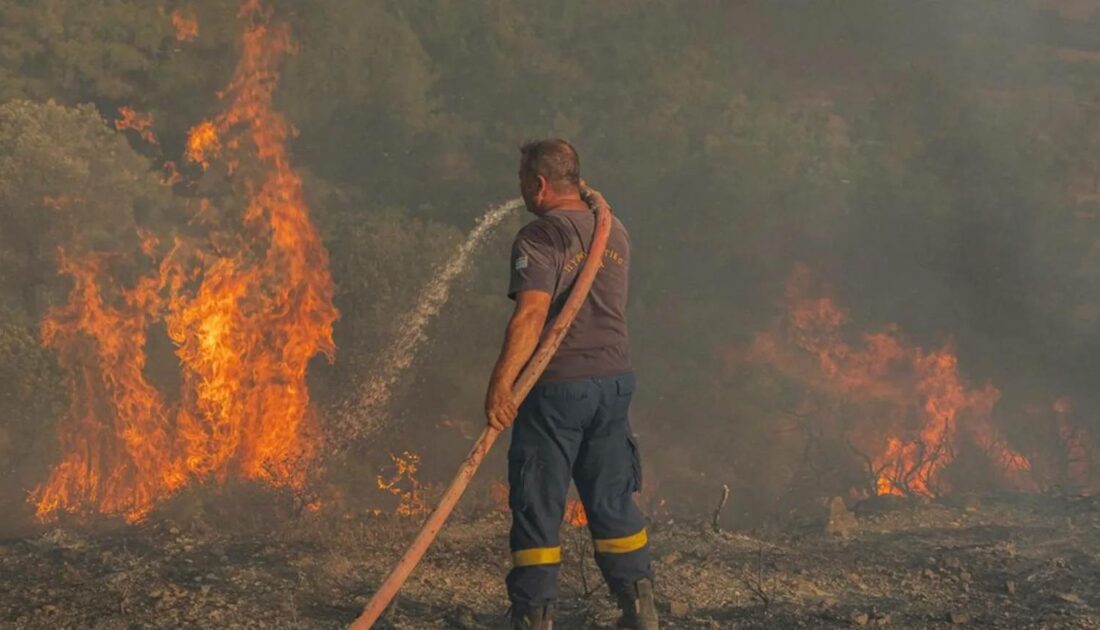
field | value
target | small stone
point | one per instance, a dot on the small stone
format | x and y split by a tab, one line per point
1071	598
930	574
958	617
884	619
206	589
965	576
1010	587
952	563
670	558
175	531
677	608
841	523
860	618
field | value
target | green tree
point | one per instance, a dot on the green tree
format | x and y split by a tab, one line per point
66	179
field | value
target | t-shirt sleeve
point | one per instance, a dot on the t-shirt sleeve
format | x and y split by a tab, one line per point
534	262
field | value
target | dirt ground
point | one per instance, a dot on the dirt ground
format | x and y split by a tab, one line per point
1020	561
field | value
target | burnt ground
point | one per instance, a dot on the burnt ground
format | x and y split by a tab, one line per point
992	562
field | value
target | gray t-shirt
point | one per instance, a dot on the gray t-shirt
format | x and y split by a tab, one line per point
547	255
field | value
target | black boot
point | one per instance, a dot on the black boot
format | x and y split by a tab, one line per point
639	607
537	618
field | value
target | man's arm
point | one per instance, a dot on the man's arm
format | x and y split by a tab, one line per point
520	340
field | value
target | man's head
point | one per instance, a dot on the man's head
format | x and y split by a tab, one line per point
549	174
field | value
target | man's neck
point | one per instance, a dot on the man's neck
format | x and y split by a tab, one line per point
565	203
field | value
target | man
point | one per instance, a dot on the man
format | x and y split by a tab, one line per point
573	424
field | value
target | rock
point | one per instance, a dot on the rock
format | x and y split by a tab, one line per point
1010	587
958	617
670	558
952	563
930	574
1071	598
678	609
841	523
860	618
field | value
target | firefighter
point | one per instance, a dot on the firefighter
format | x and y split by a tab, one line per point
573	424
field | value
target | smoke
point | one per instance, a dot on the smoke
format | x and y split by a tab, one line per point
934	164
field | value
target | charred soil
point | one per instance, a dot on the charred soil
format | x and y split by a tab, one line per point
1006	561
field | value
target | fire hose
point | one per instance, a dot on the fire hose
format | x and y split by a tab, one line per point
548	345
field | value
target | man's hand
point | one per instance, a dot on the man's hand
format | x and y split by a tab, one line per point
519	344
500	409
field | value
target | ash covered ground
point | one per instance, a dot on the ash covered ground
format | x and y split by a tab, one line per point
998	561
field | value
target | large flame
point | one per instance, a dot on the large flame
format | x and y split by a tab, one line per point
919	404
246	319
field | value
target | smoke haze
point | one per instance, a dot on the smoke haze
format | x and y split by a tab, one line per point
921	172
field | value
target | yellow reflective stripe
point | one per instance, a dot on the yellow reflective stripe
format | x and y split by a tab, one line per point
621	545
538	555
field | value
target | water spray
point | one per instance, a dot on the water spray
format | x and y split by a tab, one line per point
362	416
551	339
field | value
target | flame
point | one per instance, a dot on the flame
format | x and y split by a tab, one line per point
203	142
114	437
246	320
141	123
404	485
575	514
186	25
908	382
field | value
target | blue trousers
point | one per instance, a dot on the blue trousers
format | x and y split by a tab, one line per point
575	430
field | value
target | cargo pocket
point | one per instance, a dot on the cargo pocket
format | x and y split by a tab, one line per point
635	461
521	480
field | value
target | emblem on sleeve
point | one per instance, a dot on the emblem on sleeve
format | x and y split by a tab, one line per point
521	263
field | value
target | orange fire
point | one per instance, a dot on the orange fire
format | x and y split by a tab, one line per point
904	383
203	142
141	123
246	320
404	485
115	440
186	25
574	509
575	514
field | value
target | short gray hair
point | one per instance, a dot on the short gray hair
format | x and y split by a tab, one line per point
554	159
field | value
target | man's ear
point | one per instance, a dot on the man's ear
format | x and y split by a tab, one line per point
544	185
